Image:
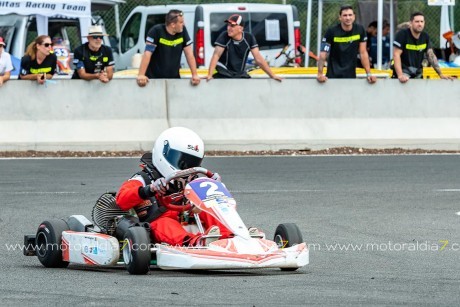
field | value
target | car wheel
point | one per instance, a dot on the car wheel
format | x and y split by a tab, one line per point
48	242
136	250
287	235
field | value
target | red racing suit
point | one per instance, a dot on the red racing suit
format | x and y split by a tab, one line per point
164	224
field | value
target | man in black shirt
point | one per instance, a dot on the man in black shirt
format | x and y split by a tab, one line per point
93	60
231	50
343	42
163	51
411	45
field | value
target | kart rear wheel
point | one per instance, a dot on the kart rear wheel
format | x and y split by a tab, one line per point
48	242
136	251
287	235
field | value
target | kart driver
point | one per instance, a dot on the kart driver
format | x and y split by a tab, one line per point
146	191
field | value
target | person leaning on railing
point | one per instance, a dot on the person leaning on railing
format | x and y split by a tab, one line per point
231	51
410	46
38	63
343	42
6	66
93	60
163	50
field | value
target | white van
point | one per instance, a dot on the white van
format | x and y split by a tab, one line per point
137	25
273	25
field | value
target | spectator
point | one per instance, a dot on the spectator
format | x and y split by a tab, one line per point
411	45
6	66
93	60
343	42
455	56
385	46
231	51
371	32
163	51
38	63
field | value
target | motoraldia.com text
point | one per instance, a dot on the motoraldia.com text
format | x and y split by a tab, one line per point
389	246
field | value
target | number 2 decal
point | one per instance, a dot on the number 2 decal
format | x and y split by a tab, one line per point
212	190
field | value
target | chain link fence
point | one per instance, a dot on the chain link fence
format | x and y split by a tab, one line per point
365	10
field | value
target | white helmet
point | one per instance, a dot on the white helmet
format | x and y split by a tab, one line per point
176	149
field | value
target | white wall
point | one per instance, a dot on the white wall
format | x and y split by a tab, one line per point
231	114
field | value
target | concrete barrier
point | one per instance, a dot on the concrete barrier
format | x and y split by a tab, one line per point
296	114
79	115
257	114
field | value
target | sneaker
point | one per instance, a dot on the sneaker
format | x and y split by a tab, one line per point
211	235
256	233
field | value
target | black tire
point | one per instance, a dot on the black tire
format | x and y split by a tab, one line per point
136	251
48	243
287	235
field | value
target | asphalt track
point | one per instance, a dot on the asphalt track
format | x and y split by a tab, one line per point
382	230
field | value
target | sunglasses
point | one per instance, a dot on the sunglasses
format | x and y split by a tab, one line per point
178	14
232	25
1	46
97	36
47	45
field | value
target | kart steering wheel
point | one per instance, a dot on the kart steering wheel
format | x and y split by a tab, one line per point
181	174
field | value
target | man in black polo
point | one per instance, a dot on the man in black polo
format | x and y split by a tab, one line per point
411	45
93	60
343	42
163	51
231	50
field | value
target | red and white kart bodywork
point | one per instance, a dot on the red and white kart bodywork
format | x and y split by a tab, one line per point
240	252
76	240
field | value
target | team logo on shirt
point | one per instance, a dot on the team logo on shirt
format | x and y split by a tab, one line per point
347	39
171	43
416	47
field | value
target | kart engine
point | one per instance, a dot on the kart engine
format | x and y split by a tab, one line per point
105	212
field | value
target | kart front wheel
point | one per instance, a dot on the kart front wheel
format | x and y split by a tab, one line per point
136	250
48	242
287	235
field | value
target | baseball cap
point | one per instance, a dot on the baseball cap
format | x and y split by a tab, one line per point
2	42
235	19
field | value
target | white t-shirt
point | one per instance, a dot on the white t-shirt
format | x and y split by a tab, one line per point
5	63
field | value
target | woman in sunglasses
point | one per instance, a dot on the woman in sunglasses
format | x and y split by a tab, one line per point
38	63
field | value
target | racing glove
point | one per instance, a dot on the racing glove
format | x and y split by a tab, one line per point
159	186
216	177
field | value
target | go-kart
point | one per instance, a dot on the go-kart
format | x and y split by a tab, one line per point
117	237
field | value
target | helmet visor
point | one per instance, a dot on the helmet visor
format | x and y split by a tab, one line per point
179	159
